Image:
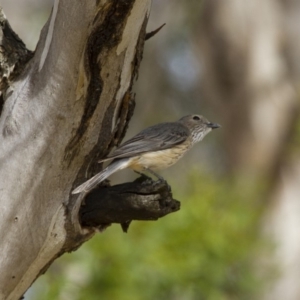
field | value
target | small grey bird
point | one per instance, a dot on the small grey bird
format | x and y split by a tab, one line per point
154	148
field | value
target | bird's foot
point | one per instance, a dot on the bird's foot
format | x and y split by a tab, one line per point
143	178
160	179
146	179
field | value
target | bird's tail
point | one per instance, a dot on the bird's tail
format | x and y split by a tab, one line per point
95	180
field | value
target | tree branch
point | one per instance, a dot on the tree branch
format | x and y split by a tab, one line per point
142	199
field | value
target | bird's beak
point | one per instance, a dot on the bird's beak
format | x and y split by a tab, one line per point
213	125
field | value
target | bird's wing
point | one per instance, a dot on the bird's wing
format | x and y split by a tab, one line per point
158	137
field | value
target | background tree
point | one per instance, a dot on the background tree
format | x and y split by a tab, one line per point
251	55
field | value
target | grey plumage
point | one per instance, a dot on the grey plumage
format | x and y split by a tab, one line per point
156	147
95	180
157	137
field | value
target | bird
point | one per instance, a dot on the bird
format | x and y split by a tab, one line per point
154	148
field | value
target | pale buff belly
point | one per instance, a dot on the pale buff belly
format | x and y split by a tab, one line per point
159	159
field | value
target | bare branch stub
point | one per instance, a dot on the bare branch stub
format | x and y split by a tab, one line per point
142	199
150	34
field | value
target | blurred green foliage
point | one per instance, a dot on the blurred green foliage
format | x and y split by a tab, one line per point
206	250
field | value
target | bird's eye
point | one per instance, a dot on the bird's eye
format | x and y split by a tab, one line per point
196	118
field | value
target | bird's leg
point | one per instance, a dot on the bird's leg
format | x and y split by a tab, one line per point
156	175
142	174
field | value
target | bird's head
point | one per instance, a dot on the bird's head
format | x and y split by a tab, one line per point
198	125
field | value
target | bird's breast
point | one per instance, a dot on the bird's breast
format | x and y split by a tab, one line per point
157	160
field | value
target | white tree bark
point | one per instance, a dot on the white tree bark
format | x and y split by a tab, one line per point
64	108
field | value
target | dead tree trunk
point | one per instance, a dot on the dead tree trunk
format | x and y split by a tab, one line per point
62	108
